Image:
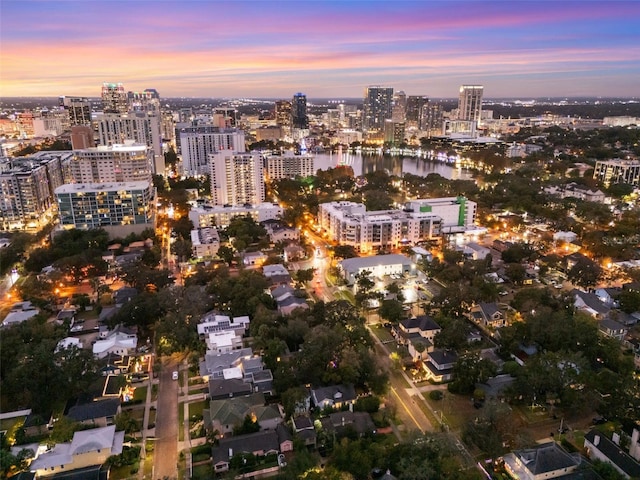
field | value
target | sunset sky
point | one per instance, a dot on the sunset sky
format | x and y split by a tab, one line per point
326	48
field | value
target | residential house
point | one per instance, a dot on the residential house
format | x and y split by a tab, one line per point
475	251
548	460
487	315
600	447
286	299
260	444
214	364
223	342
66	315
304	429
589	303
608	296
253	259
222	388
224	414
612	328
19	313
333	396
88	448
439	365
124	295
68	343
212	322
293	252
100	413
280	232
118	343
417	331
276	274
340	422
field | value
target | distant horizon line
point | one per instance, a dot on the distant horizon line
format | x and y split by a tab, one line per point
561	97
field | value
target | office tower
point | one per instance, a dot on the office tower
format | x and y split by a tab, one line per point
394	132
146	101
283	115
432	119
50	123
377	108
129	162
289	166
81	137
26	189
141	127
225	117
78	109
470	103
399	109
196	143
237	178
114	98
118	208
415	107
299	118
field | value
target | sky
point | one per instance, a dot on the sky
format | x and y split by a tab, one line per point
326	49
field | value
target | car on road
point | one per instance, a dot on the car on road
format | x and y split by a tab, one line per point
174	375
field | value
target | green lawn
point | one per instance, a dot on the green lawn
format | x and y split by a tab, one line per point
202	472
382	333
140	394
196	408
125	472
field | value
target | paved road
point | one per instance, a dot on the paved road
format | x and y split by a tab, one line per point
166	450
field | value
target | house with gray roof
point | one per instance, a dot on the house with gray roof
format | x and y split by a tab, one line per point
259	444
100	413
221	388
612	328
287	300
589	303
600	447
304	429
439	365
224	414
487	315
214	364
548	460
340	422
414	331
334	396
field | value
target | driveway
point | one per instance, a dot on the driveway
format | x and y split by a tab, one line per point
166	449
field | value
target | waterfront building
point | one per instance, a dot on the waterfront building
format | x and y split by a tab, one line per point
470	103
415	110
289	166
377	108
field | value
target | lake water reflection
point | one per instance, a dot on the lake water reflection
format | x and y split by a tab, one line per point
394	165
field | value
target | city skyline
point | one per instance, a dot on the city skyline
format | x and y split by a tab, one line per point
324	49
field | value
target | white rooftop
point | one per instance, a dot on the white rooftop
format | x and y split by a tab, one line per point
101	187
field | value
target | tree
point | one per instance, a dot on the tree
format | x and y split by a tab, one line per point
344	251
227	254
585	273
305	275
249	425
469	370
516	273
629	301
125	421
391	310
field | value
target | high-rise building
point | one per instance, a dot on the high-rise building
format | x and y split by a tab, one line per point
289	166
118	208
378	103
114	98
141	127
26	188
196	143
399	109
237	178
225	117
394	132
78	109
129	162
299	117
283	115
470	103
415	109
146	101
432	119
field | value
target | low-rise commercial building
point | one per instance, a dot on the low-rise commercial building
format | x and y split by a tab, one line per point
205	242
